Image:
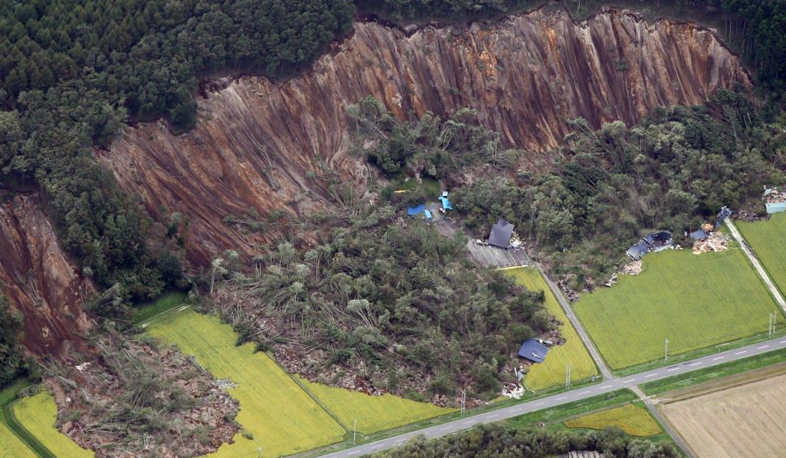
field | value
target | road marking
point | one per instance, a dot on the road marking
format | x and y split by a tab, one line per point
762	347
741	352
563	397
355	452
468	422
782	342
493	416
400	440
628	381
696	364
377	446
605	387
718	358
445	428
583	393
539	404
673	369
651	375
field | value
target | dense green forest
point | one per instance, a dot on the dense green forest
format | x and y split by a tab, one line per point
499	441
396	304
11	360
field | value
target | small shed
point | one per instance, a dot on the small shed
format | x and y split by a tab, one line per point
416	210
500	234
725	212
429	216
445	202
533	350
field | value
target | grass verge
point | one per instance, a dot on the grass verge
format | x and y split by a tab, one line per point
634	419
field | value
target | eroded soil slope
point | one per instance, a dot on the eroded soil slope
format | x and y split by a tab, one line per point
266	146
39	281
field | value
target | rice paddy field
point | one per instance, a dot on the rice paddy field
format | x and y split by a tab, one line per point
768	240
11	446
694	301
631	418
373	413
275	410
38	415
552	372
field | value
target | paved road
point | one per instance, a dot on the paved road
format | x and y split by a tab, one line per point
563	398
574	320
756	264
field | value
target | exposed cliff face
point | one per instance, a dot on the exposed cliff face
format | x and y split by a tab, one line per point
526	76
39	281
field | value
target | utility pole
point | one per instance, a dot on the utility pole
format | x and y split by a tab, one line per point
355	433
463	402
259	452
567	376
773	318
666	350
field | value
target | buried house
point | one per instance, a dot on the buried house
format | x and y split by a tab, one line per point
651	243
533	350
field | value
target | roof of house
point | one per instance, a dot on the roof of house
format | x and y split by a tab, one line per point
533	350
638	250
412	211
501	233
446	203
699	235
428	214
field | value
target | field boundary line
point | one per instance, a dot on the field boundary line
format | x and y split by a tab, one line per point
757	266
23	434
600	363
311	395
174	310
664	423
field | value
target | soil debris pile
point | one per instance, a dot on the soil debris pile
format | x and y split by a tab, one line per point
713	243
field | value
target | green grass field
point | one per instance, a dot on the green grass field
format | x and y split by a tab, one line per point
280	415
768	240
633	419
552	371
373	413
166	302
274	410
11	446
38	415
694	301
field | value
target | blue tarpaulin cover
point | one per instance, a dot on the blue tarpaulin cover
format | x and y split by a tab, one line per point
412	211
446	203
533	350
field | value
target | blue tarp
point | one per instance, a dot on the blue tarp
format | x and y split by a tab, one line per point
533	350
446	203
412	211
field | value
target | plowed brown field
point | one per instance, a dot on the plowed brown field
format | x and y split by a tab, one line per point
740	422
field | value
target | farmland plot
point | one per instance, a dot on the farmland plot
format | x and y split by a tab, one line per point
38	415
694	301
552	372
11	446
768	240
633	419
740	422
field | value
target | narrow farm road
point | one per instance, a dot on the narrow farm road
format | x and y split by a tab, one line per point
607	386
574	320
665	423
756	264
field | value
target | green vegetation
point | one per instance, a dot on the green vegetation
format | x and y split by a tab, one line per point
13	446
609	186
631	418
274	411
501	441
714	373
12	361
373	413
38	415
573	352
163	304
400	307
768	240
556	415
694	301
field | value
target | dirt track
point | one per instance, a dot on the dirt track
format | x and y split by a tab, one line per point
740	422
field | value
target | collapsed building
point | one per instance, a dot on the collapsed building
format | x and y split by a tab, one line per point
651	243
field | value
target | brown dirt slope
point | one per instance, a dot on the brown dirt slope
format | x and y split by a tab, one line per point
526	76
39	281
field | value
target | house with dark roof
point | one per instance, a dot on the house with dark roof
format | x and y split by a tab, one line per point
533	350
500	234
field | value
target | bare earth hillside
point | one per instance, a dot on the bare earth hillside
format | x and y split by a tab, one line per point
263	146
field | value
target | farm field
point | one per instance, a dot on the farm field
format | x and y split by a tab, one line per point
740	422
631	418
275	412
12	446
373	413
694	301
552	371
768	240
38	415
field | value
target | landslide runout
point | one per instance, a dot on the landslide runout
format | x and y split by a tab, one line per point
263	146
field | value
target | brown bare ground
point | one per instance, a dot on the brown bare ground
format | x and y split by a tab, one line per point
740	422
